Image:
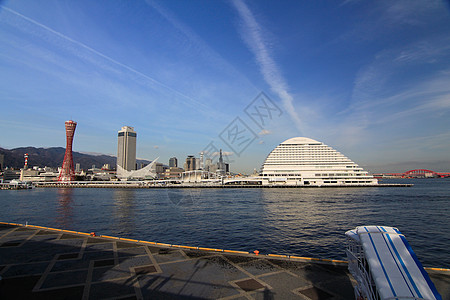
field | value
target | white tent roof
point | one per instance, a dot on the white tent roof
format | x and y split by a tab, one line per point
141	173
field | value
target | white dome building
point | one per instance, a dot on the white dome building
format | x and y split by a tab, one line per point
304	161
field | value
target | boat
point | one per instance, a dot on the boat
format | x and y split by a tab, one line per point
385	267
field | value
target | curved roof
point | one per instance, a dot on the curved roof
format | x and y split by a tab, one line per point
300	140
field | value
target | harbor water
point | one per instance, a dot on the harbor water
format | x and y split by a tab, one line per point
304	222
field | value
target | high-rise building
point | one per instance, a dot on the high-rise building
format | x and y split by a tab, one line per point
126	149
173	162
220	163
190	163
208	165
200	165
2	161
67	170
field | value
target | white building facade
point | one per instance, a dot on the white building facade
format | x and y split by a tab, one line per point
126	149
303	161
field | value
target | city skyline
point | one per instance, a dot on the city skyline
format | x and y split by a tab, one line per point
370	79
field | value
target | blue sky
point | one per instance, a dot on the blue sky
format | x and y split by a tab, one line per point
369	78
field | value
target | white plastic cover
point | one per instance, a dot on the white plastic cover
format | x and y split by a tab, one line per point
393	265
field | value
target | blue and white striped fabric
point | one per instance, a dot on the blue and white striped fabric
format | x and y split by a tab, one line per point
397	272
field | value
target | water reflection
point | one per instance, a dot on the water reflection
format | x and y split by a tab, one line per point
64	216
124	212
313	220
183	197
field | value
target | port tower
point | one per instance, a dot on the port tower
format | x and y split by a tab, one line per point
67	170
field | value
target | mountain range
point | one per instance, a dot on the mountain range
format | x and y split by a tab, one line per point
53	157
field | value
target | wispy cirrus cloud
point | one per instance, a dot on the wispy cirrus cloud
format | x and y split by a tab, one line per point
404	81
90	55
199	45
252	34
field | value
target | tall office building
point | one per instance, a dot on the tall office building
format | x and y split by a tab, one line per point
200	165
209	165
173	162
126	149
220	163
190	163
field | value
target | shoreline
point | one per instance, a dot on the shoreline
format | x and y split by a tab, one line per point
183	186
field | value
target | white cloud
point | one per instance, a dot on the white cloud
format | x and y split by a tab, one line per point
92	56
252	34
402	82
408	12
264	132
224	153
199	44
431	95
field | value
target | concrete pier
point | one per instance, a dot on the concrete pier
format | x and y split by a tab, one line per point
45	263
144	185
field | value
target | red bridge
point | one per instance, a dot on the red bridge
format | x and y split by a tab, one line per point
418	173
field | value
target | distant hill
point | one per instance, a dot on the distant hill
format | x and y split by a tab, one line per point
53	157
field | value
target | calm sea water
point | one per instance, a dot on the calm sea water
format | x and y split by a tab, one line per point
305	222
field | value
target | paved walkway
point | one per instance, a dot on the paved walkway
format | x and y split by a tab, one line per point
41	263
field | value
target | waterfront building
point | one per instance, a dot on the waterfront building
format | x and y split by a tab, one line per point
201	177
27	174
2	161
37	175
159	169
126	148
173	173
304	161
10	174
173	162
77	168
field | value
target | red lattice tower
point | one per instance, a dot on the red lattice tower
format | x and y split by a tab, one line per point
67	171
